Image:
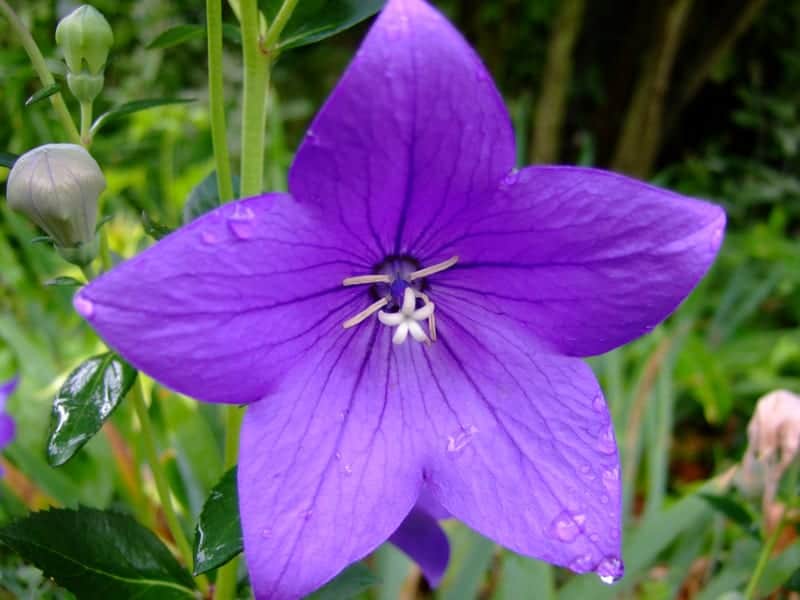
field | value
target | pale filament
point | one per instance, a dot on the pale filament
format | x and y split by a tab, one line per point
364	314
432	317
364	279
432	270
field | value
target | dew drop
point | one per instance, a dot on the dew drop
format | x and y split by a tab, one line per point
599	404
241	222
348	470
209	238
84	306
610	569
456	443
306	514
510	179
566	526
594	538
338	456
312	138
606	443
582	564
611	480
266	533
604	499
342	415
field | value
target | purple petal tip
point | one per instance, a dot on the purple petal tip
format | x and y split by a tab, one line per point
83	306
610	570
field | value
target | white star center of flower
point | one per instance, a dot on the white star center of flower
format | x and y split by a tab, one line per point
407	319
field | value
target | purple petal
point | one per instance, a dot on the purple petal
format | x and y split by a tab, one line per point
414	139
329	464
586	260
522	447
223	308
6	389
424	541
7	430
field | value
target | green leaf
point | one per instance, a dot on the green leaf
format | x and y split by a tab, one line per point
133	107
154	229
350	582
102	222
42	239
63	281
7	159
177	35
205	197
232	33
43	93
732	509
315	20
86	399
99	555
218	536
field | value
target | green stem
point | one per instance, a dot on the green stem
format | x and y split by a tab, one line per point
254	108
763	558
766	551
216	100
160	478
86	124
225	588
281	19
40	66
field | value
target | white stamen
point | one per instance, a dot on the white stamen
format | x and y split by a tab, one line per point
407	318
432	270
431	317
364	314
363	279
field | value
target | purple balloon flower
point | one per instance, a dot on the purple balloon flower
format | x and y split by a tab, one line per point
407	324
7	426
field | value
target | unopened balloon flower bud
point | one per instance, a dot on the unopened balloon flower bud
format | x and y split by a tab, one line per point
773	443
85	37
57	186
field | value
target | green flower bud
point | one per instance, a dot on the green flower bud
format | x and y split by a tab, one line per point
85	86
85	37
57	186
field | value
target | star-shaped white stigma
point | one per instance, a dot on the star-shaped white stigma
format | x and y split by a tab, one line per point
407	319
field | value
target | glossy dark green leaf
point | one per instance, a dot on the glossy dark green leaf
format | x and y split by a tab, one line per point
218	536
86	399
99	555
177	35
205	197
315	20
349	583
7	159
43	93
133	107
729	507
154	229
63	281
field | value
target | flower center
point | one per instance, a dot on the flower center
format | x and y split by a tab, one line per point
398	285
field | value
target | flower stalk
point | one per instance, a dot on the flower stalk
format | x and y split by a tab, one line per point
40	66
159	477
216	100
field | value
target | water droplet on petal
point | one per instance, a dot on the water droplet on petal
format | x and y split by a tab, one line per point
604	499
266	533
342	415
306	514
240	222
338	456
582	564
84	306
606	443
566	526
610	569
510	179
611	480
456	443
599	404
348	470
209	238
